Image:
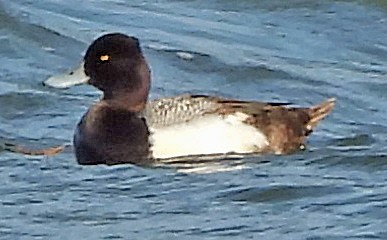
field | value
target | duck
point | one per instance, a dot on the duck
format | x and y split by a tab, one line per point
125	127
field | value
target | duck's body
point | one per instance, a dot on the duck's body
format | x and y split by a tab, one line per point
192	126
124	127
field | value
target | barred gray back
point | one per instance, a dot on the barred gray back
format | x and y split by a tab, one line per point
168	111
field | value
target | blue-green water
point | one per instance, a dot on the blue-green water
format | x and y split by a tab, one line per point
300	52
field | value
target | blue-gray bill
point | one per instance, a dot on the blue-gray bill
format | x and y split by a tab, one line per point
65	80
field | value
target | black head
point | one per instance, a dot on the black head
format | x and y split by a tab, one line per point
115	65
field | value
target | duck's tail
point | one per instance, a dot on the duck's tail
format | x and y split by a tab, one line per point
318	112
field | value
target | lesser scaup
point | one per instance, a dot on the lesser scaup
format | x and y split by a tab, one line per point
124	127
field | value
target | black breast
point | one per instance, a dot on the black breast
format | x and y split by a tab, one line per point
110	136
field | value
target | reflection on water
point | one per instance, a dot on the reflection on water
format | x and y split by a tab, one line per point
300	52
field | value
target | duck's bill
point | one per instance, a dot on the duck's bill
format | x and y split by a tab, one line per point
74	77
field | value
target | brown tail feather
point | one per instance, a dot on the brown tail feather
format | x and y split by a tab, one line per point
318	112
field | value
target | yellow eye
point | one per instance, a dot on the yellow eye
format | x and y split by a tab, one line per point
104	57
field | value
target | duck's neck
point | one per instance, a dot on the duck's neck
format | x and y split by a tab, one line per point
133	100
130	94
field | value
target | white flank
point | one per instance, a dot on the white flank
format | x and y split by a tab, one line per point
210	134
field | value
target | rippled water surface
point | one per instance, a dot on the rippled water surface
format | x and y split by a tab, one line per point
300	52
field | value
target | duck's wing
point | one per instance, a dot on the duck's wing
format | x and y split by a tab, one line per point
184	108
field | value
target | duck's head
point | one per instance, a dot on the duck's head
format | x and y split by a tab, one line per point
113	63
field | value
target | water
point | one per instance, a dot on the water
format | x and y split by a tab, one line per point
300	52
